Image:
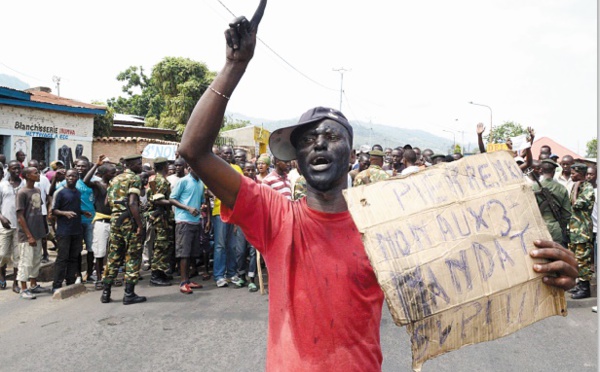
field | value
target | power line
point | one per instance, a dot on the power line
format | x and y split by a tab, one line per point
20	73
280	57
350	106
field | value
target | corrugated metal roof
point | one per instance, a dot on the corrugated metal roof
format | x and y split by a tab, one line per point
556	147
43	97
134	139
124	118
135	128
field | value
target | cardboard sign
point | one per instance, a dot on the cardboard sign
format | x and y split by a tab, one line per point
450	247
153	151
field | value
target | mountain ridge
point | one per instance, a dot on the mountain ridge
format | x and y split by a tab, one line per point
368	133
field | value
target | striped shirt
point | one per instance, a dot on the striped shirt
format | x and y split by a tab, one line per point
281	184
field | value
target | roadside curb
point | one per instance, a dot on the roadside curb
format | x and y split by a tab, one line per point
69	291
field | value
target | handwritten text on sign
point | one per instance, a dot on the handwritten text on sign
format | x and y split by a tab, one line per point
450	247
153	151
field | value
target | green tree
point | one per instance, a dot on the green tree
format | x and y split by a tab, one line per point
457	149
144	102
592	148
103	123
166	98
503	131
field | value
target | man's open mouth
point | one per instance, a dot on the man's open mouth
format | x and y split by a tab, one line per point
320	163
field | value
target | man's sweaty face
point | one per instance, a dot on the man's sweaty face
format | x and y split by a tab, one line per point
323	150
227	154
82	167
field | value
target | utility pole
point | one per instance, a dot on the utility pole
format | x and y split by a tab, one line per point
491	139
56	79
341	70
462	142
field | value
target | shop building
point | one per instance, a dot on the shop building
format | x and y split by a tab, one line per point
45	126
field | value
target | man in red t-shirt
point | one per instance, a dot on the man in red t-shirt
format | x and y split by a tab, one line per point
324	300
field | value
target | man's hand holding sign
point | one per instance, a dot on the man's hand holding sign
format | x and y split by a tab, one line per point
456	250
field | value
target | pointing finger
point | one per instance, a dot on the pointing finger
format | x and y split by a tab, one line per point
256	18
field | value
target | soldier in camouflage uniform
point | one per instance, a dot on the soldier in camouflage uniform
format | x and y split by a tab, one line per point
559	198
160	215
374	173
299	188
126	228
581	228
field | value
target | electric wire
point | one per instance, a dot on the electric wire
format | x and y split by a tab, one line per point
20	73
280	57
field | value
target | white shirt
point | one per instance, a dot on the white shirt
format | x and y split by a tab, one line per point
409	170
8	199
568	183
44	186
173	180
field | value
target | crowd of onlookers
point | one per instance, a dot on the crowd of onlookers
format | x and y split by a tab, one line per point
176	220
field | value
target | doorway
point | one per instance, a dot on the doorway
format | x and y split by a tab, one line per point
40	149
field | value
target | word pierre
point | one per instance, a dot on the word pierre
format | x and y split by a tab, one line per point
432	187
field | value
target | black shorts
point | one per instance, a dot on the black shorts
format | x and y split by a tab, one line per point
187	240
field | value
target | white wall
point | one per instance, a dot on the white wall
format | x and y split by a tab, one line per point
22	124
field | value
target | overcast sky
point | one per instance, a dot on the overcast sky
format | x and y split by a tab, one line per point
412	64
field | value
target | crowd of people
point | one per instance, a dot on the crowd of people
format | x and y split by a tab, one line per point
160	217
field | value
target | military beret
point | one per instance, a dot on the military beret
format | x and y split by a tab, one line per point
550	161
132	157
377	153
579	167
438	156
160	160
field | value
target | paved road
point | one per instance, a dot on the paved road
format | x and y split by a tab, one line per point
225	330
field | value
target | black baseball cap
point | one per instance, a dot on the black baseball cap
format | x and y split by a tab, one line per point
280	141
579	167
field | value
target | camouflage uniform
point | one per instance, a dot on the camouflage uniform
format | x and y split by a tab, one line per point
371	175
299	188
581	228
123	239
161	219
561	199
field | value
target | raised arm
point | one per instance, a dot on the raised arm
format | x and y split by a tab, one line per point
528	155
480	129
206	119
88	177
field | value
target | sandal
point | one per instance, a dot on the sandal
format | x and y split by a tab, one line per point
118	283
16	289
99	285
2	284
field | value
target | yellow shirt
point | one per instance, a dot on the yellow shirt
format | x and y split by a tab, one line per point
217	208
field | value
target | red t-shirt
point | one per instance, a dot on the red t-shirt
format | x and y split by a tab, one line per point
324	300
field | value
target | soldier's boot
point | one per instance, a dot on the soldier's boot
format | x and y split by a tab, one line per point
575	289
105	293
130	297
583	292
159	279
